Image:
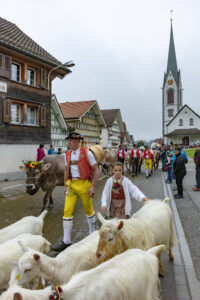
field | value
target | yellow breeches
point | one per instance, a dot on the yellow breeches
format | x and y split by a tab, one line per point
148	164
78	189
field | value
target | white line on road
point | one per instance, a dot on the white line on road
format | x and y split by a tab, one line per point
12	186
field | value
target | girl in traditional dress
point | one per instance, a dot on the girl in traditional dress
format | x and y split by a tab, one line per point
118	192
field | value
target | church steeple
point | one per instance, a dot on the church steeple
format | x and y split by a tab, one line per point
172	63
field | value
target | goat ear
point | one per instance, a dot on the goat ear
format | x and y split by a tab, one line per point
14	273
22	168
121	224
100	217
36	256
17	296
46	167
24	248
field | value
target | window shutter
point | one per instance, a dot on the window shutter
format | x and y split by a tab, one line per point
43	78
7	66
6	111
43	116
1	64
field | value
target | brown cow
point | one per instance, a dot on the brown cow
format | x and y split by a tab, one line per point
47	178
109	159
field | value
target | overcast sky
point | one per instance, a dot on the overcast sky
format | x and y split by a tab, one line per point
120	49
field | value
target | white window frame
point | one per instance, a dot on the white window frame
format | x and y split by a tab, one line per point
20	121
35	115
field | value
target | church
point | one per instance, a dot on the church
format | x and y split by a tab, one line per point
180	124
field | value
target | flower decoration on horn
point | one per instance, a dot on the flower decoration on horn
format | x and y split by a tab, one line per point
29	164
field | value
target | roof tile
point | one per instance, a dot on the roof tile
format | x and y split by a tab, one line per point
74	110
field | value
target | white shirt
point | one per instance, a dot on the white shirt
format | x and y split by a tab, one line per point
120	153
75	156
131	191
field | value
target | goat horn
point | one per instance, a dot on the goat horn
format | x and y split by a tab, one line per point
100	217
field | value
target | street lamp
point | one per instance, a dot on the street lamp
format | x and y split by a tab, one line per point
67	64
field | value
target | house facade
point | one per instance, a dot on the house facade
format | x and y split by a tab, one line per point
85	118
184	128
113	134
25	97
59	129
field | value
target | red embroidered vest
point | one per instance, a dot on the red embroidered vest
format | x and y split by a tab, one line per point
84	168
123	153
137	153
147	152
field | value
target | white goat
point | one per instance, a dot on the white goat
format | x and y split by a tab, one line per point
132	275
78	257
28	224
152	225
10	252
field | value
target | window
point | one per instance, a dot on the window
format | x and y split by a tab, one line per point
16	72
78	125
90	116
170	113
170	96
16	113
31	115
31	76
180	122
191	122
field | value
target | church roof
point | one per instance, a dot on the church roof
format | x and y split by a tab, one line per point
180	111
172	62
190	131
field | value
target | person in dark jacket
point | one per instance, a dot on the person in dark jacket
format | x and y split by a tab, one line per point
179	171
197	163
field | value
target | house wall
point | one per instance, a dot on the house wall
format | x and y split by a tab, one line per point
111	136
58	133
89	128
193	139
186	114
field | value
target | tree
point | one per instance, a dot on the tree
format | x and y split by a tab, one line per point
140	143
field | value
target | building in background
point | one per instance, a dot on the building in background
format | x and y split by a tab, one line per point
172	88
113	134
85	118
184	128
25	97
59	129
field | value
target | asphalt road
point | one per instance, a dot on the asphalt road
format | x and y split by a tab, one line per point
15	204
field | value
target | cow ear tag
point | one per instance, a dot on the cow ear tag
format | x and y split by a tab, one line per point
18	276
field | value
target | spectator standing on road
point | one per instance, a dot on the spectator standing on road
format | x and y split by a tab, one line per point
40	153
169	164
59	151
179	171
118	192
163	158
51	151
135	155
197	163
121	154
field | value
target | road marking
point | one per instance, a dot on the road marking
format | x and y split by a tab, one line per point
9	187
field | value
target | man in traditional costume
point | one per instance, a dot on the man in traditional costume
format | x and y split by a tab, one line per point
121	154
148	161
80	178
135	155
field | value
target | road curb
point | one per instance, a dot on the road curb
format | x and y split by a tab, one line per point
193	283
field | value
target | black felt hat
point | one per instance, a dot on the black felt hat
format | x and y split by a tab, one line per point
75	136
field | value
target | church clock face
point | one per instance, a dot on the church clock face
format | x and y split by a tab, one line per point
170	82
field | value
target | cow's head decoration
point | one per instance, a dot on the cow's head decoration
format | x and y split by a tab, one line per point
35	171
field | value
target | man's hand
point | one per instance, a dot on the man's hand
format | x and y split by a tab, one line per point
91	191
145	199
103	208
65	189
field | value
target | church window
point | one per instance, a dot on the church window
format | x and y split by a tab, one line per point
170	113
170	96
191	122
180	122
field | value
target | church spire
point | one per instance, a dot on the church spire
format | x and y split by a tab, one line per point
172	63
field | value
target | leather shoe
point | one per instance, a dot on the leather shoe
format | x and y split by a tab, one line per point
178	196
60	247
